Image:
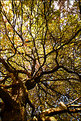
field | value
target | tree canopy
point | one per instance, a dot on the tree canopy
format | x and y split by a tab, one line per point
40	76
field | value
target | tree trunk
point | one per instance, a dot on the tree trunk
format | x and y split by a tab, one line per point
10	109
16	114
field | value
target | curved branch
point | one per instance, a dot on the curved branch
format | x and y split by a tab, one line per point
6	65
58	110
69	71
56	69
3	80
8	68
68	41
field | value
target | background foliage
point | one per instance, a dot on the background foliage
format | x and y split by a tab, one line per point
40	54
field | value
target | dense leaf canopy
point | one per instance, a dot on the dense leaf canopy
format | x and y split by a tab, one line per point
40	55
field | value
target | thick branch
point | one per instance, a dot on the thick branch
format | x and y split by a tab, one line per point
16	85
6	65
31	84
56	69
58	110
11	70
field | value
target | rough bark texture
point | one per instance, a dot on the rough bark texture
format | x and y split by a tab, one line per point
10	109
17	114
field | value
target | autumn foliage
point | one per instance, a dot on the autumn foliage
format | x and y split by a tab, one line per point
40	60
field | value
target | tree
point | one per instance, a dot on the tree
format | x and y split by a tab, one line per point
40	60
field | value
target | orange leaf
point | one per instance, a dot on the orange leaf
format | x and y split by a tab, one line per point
26	40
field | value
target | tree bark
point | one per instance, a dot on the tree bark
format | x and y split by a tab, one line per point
10	109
